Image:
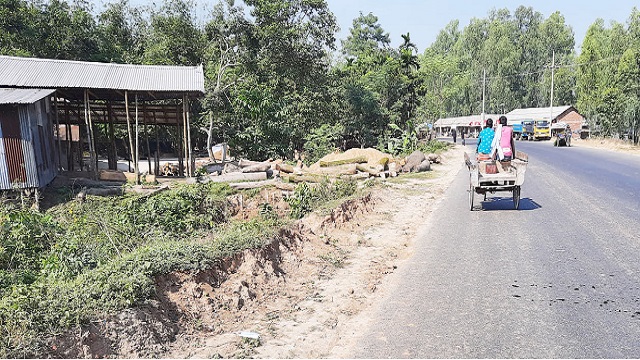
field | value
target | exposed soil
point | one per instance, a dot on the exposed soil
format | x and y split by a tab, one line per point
305	295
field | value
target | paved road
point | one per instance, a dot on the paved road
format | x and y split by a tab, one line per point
558	279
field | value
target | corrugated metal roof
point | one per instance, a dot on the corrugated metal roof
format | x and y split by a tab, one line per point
48	73
542	113
471	120
23	96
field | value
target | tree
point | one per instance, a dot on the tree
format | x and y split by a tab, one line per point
120	33
281	85
226	36
447	38
174	38
628	80
17	27
66	31
366	37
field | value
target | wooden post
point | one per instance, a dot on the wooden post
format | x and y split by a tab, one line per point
156	170
126	105
113	154
86	123
184	137
190	150
55	108
146	135
179	137
137	170
70	165
93	155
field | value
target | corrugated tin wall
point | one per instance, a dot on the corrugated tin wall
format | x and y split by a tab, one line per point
26	156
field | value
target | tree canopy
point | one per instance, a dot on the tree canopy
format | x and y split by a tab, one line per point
276	83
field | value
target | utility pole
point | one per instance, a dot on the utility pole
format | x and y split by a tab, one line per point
553	66
484	84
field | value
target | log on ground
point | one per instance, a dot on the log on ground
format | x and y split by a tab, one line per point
235	177
355	160
252	184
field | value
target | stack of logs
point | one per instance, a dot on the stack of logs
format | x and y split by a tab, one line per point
246	174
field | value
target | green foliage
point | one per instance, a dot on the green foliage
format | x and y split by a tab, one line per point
322	141
400	141
306	198
174	37
25	236
434	146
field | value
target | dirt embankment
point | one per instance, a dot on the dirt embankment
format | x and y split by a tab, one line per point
305	295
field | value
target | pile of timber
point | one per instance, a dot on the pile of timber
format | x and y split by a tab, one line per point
354	163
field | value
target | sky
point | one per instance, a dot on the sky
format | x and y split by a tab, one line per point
424	19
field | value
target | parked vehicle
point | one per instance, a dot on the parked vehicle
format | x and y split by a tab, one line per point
585	132
527	130
542	130
562	134
517	131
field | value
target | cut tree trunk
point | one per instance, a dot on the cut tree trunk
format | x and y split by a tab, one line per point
355	160
259	167
234	177
366	169
252	184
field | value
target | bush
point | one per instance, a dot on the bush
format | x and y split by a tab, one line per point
306	198
25	236
434	146
322	141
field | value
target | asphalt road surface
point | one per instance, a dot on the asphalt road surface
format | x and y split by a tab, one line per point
559	278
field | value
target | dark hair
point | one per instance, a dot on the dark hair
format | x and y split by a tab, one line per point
489	123
503	120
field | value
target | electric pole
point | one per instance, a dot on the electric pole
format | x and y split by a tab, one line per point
484	84
553	65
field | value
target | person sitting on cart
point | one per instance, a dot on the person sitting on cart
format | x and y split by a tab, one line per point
503	146
485	138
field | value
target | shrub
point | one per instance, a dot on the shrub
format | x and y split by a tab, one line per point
306	198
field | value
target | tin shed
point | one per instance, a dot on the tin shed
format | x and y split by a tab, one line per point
26	143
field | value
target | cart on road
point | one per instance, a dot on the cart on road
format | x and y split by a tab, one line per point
495	176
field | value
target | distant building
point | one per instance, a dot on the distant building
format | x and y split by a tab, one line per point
26	146
471	124
567	114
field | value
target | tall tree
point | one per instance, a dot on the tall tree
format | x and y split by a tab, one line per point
18	27
120	33
628	80
174	38
366	36
66	31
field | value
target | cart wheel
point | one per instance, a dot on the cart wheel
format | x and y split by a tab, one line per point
471	196
516	197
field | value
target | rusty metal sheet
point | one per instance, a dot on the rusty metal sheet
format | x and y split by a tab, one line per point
12	141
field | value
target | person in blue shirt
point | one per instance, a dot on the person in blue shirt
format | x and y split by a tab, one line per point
485	139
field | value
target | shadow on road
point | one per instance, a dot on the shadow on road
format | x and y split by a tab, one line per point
506	203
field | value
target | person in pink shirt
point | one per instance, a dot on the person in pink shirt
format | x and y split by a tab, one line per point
503	147
507	144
